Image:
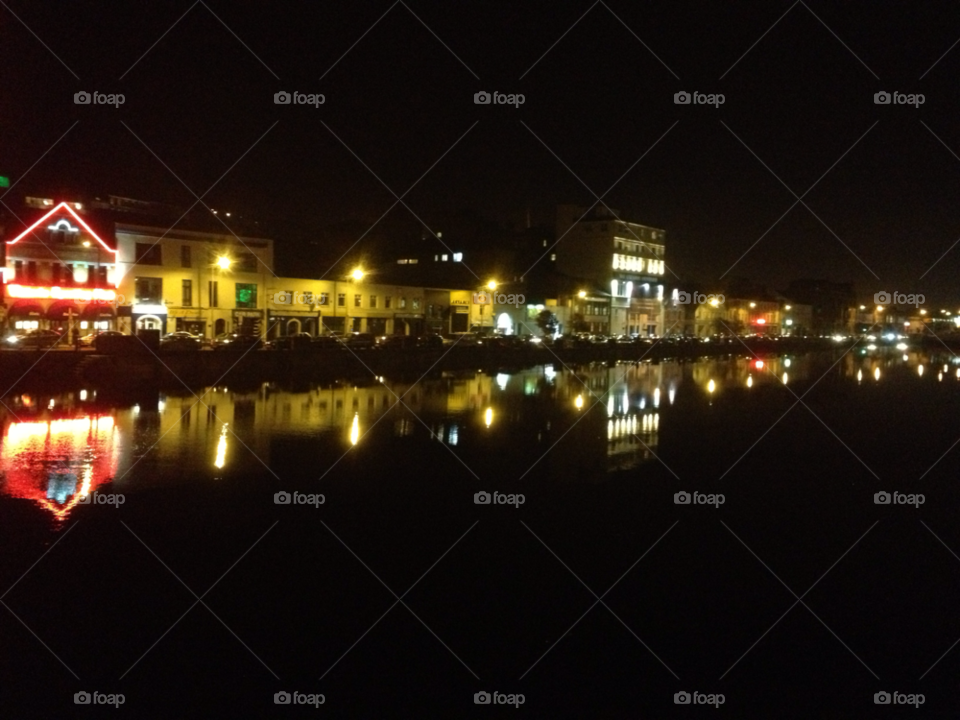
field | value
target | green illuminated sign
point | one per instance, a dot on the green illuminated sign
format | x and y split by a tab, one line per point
4	181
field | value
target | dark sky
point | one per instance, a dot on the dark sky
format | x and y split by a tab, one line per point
599	99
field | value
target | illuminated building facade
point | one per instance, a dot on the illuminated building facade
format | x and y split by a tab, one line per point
59	270
622	262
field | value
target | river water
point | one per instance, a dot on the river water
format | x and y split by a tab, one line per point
133	507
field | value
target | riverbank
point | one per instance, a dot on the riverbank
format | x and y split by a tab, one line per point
30	370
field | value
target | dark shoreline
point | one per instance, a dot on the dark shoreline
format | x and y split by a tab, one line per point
22	371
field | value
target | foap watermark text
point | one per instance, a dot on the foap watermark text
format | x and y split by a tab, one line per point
698	98
495	498
98	98
297	498
699	498
298	98
498	98
898	98
898	298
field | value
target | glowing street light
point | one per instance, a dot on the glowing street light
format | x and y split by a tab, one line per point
357	274
223	262
879	308
492	285
582	294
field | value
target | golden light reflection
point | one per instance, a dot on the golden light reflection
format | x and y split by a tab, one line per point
786	378
488	417
920	369
221	448
355	429
578	402
711	386
859	375
749	381
876	373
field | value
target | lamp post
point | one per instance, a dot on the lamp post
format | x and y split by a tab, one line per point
222	265
491	286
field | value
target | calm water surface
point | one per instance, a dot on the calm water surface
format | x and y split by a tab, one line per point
797	446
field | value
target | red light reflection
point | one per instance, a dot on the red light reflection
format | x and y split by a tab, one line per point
56	462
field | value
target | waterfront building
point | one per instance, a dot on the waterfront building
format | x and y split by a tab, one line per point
623	262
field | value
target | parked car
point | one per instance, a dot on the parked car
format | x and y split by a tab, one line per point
237	342
181	341
462	339
430	340
399	342
327	342
360	341
297	341
91	339
35	339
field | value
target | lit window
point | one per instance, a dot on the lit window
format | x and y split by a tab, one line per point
457	257
553	256
444	257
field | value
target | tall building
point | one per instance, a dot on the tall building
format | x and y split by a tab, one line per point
623	262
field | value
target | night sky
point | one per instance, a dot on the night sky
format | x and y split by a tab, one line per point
594	104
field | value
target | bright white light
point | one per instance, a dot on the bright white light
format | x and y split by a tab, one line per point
876	373
786	362
871	346
749	381
656	398
502	380
901	346
672	392
711	386
355	430
920	369
488	417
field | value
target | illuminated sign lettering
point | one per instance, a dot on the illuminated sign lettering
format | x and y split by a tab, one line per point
58	293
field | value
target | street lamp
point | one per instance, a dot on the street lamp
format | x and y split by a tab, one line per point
582	294
223	262
357	274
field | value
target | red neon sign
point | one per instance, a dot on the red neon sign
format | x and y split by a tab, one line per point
59	293
66	206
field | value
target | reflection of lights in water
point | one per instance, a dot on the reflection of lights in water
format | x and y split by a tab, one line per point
876	373
454	436
549	373
502	380
221	448
355	429
958	372
672	392
136	409
749	380
859	375
656	398
939	376
759	364
945	368
643	403
68	458
609	405
625	402
488	417
920	369
161	406
83	395
901	346
711	386
786	362
905	358
871	346
785	378
579	401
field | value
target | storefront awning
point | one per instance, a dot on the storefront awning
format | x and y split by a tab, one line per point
61	309
25	308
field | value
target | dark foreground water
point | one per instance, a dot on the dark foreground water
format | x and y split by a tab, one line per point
184	585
